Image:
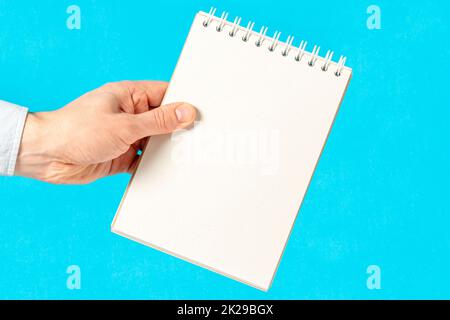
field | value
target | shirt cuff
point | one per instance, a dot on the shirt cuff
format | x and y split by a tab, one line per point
12	121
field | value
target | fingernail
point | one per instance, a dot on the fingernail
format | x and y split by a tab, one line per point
185	113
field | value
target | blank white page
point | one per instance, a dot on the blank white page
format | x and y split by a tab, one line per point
225	194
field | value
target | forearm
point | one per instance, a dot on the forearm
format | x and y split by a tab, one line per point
35	154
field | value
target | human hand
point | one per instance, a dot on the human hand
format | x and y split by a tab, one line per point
98	134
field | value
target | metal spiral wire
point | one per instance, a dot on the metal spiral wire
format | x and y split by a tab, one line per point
274	42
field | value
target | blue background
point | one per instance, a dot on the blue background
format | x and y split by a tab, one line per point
379	196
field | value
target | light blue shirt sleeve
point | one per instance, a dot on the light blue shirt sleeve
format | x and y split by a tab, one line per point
12	121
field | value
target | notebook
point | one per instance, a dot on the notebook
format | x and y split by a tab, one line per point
225	193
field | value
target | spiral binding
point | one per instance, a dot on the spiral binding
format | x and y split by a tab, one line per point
274	42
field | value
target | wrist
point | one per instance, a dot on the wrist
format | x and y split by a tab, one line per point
35	156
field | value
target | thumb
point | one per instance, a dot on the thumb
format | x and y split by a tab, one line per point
164	119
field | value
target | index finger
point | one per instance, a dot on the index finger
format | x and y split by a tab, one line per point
154	91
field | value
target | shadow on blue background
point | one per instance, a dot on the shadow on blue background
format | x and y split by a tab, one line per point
379	195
